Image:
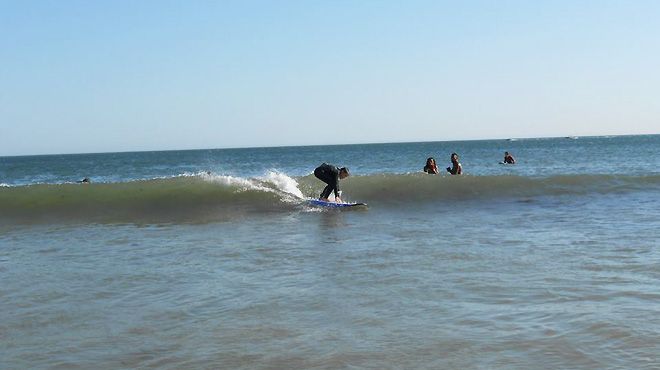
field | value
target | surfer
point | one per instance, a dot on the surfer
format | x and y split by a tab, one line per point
330	175
456	168
508	158
84	181
431	167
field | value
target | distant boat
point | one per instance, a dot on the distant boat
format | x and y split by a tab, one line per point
511	139
572	137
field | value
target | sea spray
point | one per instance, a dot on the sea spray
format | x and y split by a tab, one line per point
284	183
272	181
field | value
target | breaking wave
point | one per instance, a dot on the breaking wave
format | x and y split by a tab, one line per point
206	197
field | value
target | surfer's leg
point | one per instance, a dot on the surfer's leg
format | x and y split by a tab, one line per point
326	192
326	178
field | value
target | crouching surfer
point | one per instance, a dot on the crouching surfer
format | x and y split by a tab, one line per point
330	175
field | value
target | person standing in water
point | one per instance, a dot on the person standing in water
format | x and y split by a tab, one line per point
508	158
456	168
330	175
431	167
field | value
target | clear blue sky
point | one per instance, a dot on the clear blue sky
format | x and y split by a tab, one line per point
98	76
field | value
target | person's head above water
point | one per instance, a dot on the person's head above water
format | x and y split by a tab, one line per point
343	173
454	156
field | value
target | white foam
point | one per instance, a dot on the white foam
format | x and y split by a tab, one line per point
272	182
244	184
284	183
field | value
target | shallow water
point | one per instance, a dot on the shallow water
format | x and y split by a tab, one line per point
544	279
551	284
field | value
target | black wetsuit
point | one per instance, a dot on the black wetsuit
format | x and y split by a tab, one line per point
329	174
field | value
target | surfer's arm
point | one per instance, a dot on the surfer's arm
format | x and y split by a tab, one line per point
336	185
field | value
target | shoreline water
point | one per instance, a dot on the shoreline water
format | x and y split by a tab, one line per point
551	263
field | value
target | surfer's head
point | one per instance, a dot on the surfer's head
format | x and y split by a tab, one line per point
343	173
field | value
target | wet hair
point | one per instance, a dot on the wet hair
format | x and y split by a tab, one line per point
454	155
430	159
344	170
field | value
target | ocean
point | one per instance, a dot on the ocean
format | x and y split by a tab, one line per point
213	259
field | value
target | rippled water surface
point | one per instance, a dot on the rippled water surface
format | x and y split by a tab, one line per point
536	266
548	283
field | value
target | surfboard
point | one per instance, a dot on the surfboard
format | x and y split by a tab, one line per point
322	203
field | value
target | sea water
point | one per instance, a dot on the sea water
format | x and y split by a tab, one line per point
212	259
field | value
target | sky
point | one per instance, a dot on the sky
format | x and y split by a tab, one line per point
107	76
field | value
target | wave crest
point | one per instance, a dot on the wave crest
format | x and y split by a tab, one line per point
188	197
422	187
207	197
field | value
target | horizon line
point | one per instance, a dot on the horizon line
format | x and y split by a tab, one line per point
315	145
